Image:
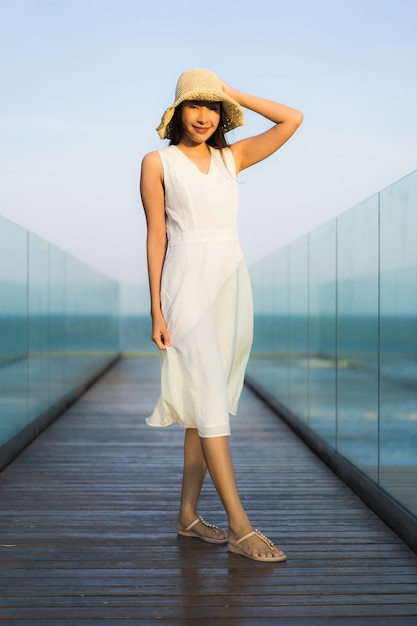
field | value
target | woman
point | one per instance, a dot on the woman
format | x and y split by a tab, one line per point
201	303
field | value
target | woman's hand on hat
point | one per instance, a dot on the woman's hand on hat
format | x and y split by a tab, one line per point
232	93
226	88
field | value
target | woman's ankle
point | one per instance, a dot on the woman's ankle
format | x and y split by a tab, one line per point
238	527
186	516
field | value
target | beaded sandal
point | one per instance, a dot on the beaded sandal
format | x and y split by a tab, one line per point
188	532
273	559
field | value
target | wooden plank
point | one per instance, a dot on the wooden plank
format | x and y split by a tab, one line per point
196	601
158	612
219	621
87	526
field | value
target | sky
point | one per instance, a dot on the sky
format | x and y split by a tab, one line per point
84	84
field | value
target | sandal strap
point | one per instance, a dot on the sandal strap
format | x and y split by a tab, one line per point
244	538
258	534
212	526
265	539
203	521
190	526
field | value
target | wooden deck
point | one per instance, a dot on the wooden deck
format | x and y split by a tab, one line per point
87	527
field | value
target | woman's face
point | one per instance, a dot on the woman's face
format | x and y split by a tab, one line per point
200	119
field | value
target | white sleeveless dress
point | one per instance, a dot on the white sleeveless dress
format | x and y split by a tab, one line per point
206	296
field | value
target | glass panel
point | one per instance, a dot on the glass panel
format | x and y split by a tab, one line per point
357	336
38	369
298	328
398	341
79	331
91	313
105	306
255	364
57	324
268	364
13	329
322	332
280	330
265	322
136	326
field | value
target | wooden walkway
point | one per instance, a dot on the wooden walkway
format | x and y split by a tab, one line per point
87	527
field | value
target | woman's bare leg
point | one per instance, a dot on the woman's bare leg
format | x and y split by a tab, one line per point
195	469
218	458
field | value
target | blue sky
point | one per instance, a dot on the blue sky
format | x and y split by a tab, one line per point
85	82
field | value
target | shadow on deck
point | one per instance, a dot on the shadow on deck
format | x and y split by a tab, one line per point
87	526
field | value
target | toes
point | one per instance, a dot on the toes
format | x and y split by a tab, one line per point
267	554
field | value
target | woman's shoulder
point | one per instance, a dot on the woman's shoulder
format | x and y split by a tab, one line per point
157	155
160	161
152	161
151	156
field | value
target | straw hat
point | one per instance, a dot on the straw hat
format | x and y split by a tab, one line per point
201	85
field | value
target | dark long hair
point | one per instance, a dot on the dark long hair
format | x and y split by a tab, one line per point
217	140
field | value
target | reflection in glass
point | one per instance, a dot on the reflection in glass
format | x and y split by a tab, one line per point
357	336
38	322
298	327
135	321
57	324
322	332
280	333
398	341
13	329
265	321
255	363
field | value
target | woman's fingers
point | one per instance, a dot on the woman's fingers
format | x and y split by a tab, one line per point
226	88
161	339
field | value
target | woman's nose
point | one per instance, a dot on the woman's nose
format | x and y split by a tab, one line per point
202	115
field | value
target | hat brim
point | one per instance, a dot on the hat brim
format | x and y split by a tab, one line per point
233	111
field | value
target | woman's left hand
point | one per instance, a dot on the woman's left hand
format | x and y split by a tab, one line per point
226	88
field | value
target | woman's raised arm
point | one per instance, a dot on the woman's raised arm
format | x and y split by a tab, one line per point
286	120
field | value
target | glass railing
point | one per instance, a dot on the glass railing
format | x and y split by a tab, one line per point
336	335
135	321
59	327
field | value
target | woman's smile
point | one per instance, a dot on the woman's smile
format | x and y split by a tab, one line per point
201	129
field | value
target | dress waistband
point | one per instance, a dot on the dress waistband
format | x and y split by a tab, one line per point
221	234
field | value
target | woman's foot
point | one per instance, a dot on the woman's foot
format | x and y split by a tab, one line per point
254	545
200	529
